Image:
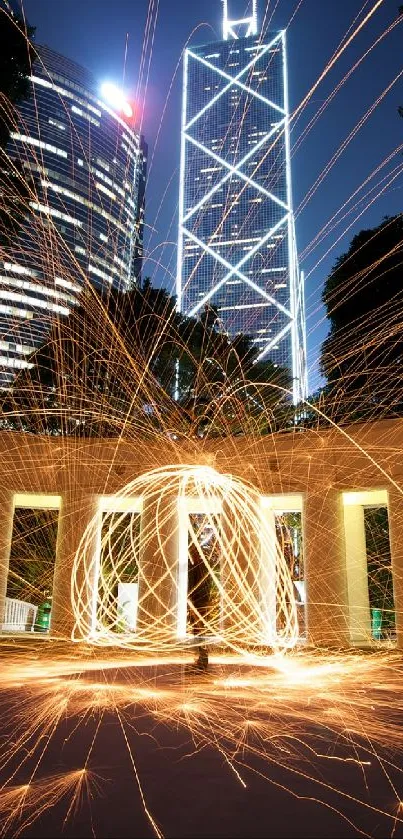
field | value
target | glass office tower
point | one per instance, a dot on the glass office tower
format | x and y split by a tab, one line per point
86	166
237	249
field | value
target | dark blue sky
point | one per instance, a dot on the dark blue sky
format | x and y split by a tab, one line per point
93	32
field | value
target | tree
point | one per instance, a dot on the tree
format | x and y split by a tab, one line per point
130	363
16	57
380	578
362	356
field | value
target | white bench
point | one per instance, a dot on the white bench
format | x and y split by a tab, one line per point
19	616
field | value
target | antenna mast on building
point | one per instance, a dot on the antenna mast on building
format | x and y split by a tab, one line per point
229	27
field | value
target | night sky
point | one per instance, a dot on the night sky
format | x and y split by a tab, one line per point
93	33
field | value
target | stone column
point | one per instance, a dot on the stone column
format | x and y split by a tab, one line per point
325	567
158	569
395	512
357	574
78	511
6	531
240	574
268	574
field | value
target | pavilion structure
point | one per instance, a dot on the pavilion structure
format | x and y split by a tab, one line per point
330	477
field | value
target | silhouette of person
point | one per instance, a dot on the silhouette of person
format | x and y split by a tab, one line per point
199	595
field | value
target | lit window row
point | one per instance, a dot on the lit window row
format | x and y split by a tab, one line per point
106	264
99	273
75	196
33	301
105	190
16	312
254	49
103	164
131	140
81	90
49	211
67	284
16	363
19	269
55	124
108	181
80	200
245	307
120	262
76	87
128	151
39	289
235	241
24	349
66	93
88	117
33	141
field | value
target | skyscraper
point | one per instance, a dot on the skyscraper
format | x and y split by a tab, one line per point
84	220
237	248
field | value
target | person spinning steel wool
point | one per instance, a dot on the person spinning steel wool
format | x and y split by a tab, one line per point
199	596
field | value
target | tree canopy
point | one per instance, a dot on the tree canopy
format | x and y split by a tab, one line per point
128	362
362	356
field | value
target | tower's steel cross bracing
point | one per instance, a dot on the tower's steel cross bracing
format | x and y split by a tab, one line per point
237	248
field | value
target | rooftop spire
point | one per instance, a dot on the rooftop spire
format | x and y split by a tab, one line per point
229	27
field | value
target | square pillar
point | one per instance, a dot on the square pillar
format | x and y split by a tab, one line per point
268	575
357	574
325	567
395	513
241	575
6	532
158	569
79	511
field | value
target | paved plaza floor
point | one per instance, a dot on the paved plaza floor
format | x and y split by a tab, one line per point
108	743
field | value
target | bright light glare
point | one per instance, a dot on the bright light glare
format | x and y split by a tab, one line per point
115	97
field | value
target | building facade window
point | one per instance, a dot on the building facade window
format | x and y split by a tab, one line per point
87	167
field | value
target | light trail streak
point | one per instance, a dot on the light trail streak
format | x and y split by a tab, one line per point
303	713
346	142
340	84
243	585
335	58
300	711
390	178
332	223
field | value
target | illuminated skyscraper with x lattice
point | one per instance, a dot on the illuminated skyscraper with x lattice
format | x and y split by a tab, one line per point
237	248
